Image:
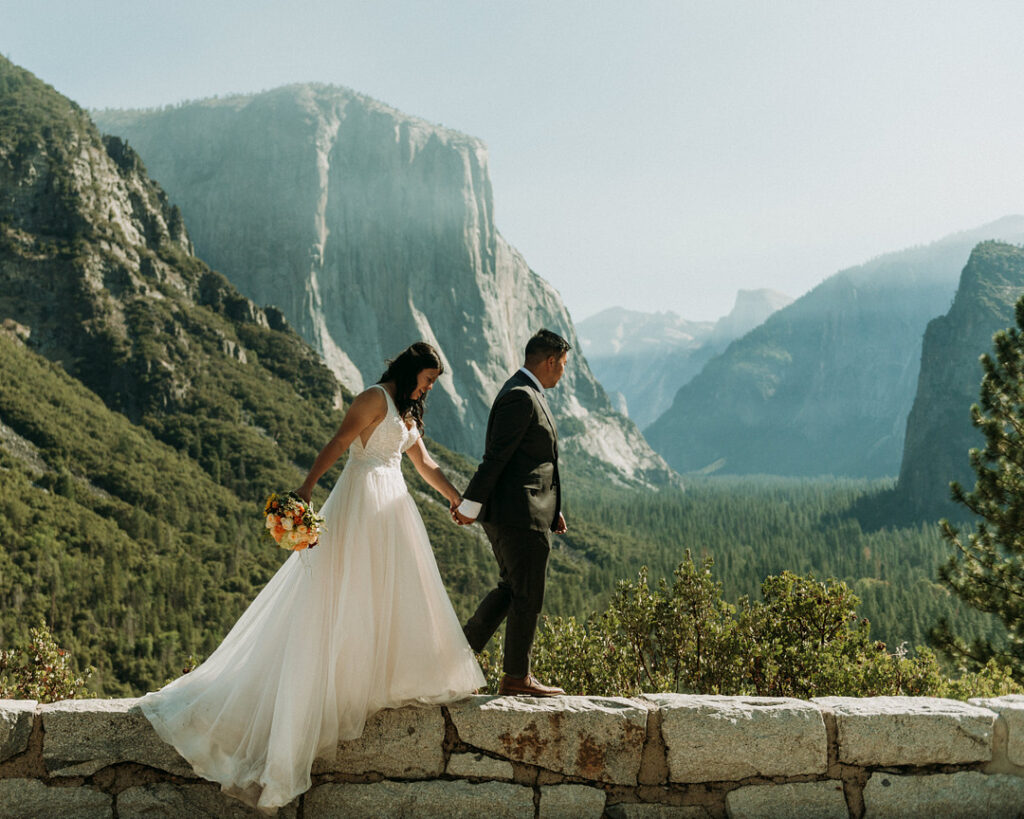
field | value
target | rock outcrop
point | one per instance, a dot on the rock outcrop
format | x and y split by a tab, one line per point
824	386
662	755
939	430
647	357
97	268
371	229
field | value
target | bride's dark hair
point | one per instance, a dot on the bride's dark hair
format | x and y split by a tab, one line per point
404	371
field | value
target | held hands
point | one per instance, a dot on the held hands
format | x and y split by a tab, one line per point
461	519
457	516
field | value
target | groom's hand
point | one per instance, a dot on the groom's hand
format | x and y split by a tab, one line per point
460	518
560	528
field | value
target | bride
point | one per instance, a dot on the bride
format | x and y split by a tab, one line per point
359	623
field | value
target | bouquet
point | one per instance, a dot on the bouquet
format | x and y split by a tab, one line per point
292	522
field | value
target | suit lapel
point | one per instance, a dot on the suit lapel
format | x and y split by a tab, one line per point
547	410
542	400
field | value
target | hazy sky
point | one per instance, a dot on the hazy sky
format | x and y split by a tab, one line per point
653	155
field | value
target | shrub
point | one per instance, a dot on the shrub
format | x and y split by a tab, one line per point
41	670
802	639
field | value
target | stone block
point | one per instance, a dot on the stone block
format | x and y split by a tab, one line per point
571	802
715	739
962	795
793	800
628	810
910	730
414	800
161	799
485	767
30	799
15	726
82	736
401	742
597	738
1011	709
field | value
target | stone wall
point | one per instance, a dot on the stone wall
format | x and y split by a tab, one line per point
664	755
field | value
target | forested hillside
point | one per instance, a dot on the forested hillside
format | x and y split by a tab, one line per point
755	527
138	558
132	550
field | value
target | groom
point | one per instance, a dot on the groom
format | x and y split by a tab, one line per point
516	496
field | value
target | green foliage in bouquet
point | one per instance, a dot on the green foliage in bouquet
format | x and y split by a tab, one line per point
40	670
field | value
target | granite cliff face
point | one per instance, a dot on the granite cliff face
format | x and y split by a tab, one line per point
939	429
371	229
751	309
824	386
647	357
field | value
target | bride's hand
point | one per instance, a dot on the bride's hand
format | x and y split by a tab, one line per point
304	493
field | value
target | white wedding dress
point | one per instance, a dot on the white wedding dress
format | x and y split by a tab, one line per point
359	623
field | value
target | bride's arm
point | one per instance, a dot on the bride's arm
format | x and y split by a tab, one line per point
431	472
368	408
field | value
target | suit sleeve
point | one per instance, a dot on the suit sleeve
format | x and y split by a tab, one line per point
512	417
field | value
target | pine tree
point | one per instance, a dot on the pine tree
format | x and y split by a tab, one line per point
987	568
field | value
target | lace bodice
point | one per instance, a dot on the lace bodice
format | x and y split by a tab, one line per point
389	439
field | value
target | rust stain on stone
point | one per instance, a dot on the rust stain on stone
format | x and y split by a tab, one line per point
527	745
590	759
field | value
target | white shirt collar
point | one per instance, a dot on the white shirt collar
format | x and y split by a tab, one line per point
533	378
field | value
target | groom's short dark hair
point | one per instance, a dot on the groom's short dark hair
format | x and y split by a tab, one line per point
545	344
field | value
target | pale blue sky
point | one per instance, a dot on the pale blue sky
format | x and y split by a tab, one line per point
687	148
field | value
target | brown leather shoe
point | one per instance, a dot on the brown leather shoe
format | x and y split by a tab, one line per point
527	687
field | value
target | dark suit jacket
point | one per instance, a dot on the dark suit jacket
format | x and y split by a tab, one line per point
517	481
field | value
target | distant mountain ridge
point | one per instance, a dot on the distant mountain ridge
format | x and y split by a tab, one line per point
751	309
647	357
371	229
824	386
939	430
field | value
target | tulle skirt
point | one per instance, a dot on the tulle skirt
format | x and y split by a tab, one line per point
359	623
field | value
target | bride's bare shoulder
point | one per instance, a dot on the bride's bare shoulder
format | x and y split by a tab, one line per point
371	402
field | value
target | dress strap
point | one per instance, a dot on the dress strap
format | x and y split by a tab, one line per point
387	396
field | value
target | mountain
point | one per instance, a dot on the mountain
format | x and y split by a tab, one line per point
939	429
147	408
371	229
751	309
824	385
647	357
